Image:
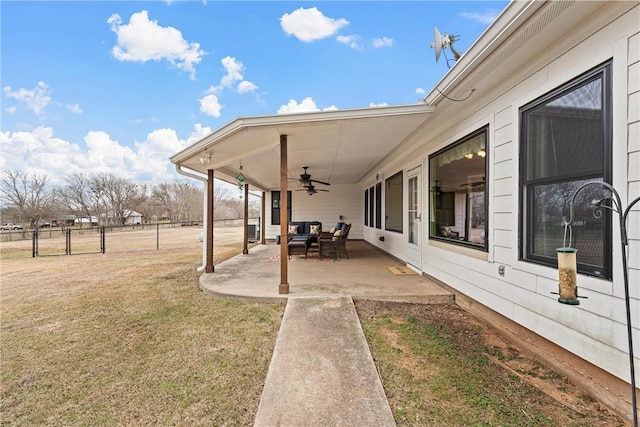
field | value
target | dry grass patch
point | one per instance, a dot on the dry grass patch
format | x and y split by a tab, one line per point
440	366
126	337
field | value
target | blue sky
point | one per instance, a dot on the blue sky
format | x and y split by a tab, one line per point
89	87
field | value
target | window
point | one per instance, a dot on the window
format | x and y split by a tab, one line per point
371	206
366	207
275	207
379	205
458	196
393	203
566	142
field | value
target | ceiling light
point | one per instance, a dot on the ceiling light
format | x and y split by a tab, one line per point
205	160
469	156
482	153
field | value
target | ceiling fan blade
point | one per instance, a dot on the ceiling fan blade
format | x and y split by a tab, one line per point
319	182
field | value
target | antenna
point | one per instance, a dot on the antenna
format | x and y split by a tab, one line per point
442	41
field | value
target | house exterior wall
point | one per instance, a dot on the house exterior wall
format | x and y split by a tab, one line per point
595	330
326	207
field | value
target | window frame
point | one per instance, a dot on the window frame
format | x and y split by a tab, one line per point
275	218
387	201
484	130
602	72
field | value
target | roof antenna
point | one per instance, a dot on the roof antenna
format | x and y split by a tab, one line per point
442	41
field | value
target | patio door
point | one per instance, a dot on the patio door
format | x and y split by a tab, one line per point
414	212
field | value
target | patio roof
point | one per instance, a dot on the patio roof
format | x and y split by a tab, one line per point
339	146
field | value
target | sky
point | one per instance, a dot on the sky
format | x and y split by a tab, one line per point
119	87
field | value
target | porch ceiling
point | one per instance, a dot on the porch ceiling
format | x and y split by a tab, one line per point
339	147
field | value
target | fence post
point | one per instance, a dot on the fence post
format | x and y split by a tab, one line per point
157	236
102	240
68	238
34	244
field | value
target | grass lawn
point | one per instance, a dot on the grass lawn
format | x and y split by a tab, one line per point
126	338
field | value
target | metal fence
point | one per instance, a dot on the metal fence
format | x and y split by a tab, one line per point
72	241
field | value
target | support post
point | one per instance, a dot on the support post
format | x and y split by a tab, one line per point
209	238
284	207
245	249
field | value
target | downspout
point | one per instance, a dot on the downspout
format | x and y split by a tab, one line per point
200	177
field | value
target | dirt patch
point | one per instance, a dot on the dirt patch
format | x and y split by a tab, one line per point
412	372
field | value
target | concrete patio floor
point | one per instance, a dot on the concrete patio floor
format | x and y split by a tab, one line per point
256	277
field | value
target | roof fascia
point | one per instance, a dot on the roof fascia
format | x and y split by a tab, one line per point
509	20
242	123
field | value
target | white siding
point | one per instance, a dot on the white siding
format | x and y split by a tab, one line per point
345	200
595	330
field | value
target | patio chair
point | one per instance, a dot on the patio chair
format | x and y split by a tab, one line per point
341	243
337	243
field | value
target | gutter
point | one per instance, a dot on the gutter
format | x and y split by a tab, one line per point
196	175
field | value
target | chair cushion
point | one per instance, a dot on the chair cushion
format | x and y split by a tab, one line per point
315	229
293	229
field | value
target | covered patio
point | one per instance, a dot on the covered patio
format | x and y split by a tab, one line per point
342	149
365	275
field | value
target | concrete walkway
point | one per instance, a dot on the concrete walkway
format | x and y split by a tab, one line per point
322	372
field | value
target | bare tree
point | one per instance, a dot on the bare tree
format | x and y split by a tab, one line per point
78	197
30	194
180	201
119	195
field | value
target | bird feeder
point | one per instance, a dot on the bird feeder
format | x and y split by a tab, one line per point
567	276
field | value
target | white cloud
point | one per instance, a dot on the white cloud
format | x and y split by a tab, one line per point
142	40
382	42
234	69
39	151
292	106
75	108
36	99
11	110
382	104
246	87
310	24
486	17
420	91
351	40
210	105
306	105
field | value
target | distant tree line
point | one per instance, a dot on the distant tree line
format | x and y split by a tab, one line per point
31	200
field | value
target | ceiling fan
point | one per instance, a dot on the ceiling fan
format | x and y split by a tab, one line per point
311	189
305	179
475	185
308	183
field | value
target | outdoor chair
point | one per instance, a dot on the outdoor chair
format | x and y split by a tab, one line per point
335	244
341	242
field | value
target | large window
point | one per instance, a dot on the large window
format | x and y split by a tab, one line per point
275	207
566	142
458	196
393	203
